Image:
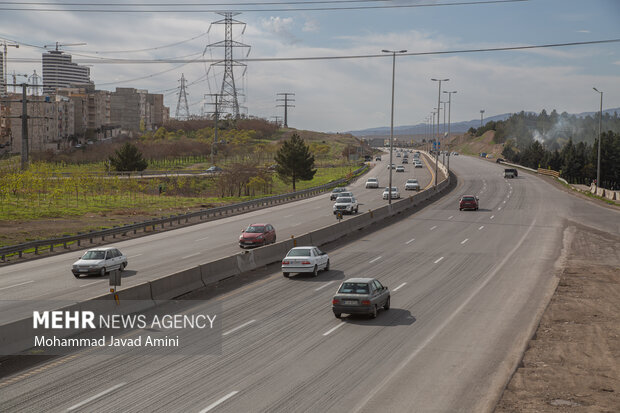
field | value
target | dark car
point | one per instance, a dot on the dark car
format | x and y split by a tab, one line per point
361	296
510	173
378	158
257	235
499	160
336	192
468	202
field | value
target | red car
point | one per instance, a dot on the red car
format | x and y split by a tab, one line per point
256	235
468	202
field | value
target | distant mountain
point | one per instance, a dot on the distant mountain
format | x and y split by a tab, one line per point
456	127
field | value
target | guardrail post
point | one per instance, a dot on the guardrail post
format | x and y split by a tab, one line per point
36	251
294	240
65	245
51	247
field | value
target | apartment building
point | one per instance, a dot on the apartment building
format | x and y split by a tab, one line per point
135	108
60	72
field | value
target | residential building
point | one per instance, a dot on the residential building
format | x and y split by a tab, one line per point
60	72
133	109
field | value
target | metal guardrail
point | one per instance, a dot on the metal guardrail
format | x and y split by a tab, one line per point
202	214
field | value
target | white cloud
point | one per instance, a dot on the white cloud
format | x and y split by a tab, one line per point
311	26
282	27
583	31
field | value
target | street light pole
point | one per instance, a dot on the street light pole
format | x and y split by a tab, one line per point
481	114
600	138
393	52
438	106
449	111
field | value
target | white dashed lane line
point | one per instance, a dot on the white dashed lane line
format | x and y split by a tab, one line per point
238	327
410	241
464	241
331	330
399	287
16	285
191	255
375	259
324	285
481	226
218	402
492	216
451	216
438	260
202	239
96	396
433	227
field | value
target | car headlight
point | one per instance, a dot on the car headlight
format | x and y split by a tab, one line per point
74	266
259	237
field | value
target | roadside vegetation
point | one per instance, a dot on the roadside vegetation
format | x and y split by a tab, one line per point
81	185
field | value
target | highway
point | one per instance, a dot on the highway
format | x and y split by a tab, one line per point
157	255
467	288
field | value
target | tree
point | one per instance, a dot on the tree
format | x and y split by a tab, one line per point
294	161
128	158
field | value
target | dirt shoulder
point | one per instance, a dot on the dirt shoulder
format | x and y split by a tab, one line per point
572	363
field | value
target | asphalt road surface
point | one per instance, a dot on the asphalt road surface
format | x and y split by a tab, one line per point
467	288
154	256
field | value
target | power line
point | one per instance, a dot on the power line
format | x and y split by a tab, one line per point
341	57
287	9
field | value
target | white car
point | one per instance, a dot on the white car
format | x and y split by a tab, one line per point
419	165
400	168
412	185
305	259
372	183
395	193
99	261
391	166
346	205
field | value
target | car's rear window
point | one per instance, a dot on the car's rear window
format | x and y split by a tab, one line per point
353	288
305	252
255	229
468	198
412	181
336	190
372	179
94	255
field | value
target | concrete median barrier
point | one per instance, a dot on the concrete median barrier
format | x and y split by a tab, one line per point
175	285
270	254
218	270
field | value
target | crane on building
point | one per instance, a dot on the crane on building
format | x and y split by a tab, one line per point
58	45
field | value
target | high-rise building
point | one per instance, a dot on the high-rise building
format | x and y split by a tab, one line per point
3	87
59	71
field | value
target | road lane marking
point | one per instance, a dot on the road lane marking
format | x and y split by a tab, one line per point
410	241
324	285
201	239
430	337
399	287
218	402
96	282
134	256
504	202
191	255
451	216
499	209
464	241
16	285
331	330
96	396
433	227
437	261
481	226
287	216
492	216
238	327
375	259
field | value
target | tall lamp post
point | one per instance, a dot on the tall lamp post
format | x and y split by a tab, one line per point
438	106
481	116
393	52
449	110
600	138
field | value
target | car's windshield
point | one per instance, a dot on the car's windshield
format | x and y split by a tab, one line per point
372	179
299	252
94	255
353	288
255	229
338	190
343	200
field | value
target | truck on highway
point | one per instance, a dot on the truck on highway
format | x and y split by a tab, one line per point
510	173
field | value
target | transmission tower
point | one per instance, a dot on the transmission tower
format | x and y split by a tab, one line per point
182	101
286	105
229	102
35	83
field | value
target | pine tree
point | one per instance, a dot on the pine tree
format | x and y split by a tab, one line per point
294	161
128	158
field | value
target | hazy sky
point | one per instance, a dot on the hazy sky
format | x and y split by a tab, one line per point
340	95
